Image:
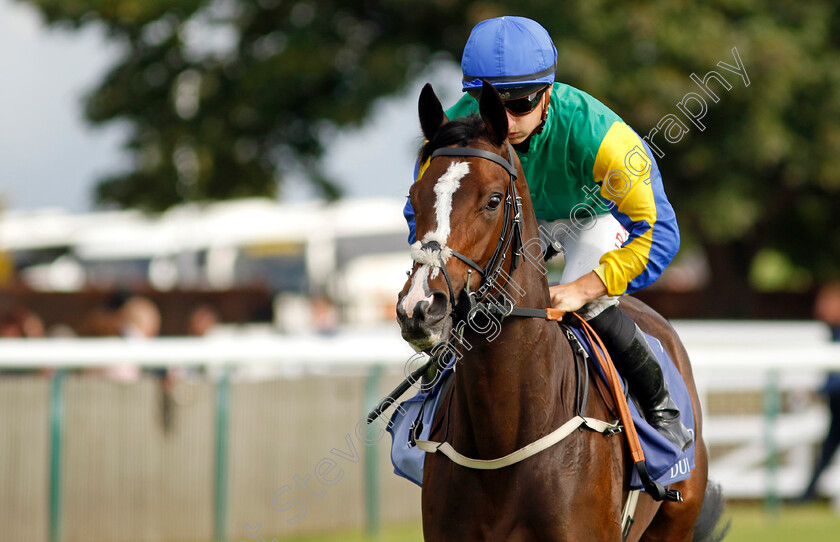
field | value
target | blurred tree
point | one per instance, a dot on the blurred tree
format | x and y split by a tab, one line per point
756	182
226	97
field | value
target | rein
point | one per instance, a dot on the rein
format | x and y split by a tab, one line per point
511	238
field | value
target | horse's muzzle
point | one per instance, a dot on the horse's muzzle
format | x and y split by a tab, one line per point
425	323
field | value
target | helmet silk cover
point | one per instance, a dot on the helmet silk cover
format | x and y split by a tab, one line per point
509	53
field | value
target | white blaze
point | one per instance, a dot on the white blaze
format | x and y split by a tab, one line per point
418	292
445	189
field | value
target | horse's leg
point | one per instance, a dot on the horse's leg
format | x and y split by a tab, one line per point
674	521
645	511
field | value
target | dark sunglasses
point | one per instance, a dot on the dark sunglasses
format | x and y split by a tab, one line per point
526	104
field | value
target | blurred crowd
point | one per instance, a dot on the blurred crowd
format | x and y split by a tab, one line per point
136	317
122	315
827	310
133	317
20	322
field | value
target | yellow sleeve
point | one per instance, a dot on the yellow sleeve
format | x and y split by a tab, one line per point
623	169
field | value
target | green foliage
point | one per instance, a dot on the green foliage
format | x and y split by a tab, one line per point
226	97
764	173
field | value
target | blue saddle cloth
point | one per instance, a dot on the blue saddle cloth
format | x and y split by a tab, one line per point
665	462
407	458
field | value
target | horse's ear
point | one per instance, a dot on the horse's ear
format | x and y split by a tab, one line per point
431	112
493	113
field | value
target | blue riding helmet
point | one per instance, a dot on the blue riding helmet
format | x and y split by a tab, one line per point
514	54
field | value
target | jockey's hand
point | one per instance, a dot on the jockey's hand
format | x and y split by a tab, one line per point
574	295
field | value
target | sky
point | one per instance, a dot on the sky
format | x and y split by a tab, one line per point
50	158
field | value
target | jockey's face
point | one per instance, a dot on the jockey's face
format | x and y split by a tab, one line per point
520	127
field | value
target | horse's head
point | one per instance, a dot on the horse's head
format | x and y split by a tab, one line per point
467	215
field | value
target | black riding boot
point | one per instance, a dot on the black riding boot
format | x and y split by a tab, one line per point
636	362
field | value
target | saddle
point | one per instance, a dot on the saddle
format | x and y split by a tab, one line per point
663	462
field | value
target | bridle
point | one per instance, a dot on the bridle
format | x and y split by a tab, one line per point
433	254
510	238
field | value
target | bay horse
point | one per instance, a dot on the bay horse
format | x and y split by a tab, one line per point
473	217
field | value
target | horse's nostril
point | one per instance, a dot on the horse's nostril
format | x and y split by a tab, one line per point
426	314
437	310
401	315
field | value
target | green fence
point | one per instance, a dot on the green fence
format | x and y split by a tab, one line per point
88	458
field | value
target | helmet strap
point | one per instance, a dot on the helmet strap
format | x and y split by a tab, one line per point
539	129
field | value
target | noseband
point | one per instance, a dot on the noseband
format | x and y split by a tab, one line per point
511	236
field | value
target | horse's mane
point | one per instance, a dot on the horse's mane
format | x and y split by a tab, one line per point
457	132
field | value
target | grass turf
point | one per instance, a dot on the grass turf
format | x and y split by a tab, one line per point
812	523
750	523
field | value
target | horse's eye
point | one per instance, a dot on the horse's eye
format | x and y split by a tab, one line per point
494	201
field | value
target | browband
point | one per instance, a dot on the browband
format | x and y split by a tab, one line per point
487	155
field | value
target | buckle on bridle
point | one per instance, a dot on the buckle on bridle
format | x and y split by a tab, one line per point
473	296
510	310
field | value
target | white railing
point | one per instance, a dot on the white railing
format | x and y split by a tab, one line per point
770	454
766	454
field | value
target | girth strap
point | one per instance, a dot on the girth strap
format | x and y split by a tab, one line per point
523	453
628	513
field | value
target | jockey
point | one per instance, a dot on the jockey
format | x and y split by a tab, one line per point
597	194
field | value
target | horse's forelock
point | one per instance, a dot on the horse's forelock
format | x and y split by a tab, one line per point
456	132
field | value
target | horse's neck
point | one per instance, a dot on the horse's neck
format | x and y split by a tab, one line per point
508	385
